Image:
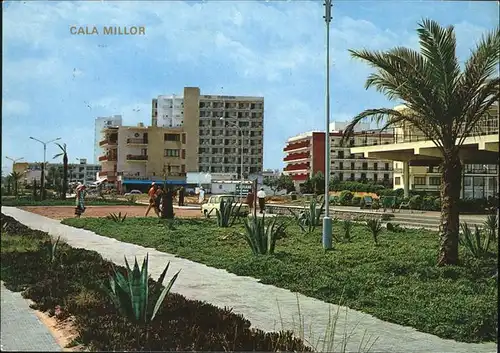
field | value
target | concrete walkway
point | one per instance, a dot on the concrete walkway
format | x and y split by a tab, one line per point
256	301
21	328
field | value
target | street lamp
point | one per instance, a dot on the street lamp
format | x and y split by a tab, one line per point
42	181
327	221
14	161
241	152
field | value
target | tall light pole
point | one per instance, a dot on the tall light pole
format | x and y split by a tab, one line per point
42	180
14	161
327	221
241	155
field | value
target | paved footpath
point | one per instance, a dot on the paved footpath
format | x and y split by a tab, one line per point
256	301
21	328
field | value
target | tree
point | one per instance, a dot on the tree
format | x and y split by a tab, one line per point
285	182
15	177
64	154
318	182
272	183
442	100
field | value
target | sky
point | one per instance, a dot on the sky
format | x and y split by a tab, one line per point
55	83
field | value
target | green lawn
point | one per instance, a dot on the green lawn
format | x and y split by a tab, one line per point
396	281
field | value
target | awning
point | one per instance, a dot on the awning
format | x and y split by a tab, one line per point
148	182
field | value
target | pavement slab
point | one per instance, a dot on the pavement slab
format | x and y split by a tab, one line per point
267	307
21	329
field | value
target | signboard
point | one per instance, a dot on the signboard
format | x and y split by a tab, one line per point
246	189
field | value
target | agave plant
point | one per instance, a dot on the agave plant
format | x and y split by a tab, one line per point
375	227
347	226
476	243
491	225
131	294
309	218
262	238
52	248
117	217
227	213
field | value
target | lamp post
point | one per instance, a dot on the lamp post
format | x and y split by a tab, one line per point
241	153
327	221
42	181
14	160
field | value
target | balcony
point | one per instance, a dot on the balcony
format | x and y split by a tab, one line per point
107	142
300	166
137	157
295	156
155	177
137	141
295	146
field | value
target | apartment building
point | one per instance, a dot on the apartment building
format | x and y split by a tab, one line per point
305	156
417	160
214	126
81	172
137	155
100	123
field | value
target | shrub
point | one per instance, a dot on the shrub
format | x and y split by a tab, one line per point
309	219
227	213
491	226
395	228
117	217
375	227
262	238
476	244
375	204
386	217
346	197
416	202
356	201
347	227
131	294
131	199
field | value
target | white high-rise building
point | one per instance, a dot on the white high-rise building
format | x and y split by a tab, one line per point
170	111
101	123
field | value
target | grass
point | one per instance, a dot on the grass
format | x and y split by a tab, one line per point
396	281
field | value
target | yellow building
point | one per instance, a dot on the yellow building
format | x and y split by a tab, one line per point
137	155
417	160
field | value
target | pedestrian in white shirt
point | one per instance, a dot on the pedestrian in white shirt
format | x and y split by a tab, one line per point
201	195
261	195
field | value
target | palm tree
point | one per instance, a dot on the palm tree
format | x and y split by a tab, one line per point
443	101
15	177
64	154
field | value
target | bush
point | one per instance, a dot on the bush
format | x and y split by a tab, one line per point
416	202
356	201
375	227
375	204
346	197
262	238
355	186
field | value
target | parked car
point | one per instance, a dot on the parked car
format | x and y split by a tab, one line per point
133	192
213	204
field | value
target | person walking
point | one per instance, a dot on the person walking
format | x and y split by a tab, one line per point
261	195
158	200
250	198
201	195
80	200
181	196
152	199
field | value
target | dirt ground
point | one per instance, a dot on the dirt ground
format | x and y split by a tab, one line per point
61	212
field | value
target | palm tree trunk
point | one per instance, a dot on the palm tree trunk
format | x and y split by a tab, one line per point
450	214
65	177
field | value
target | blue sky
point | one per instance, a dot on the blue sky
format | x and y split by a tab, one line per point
274	49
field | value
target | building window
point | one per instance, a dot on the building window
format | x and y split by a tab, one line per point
386	176
419	180
352	176
467	181
375	176
434	181
172	137
397	181
171	153
341	176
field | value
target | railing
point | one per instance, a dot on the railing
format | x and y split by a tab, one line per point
301	166
367	169
294	156
137	141
158	178
295	146
140	157
107	142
